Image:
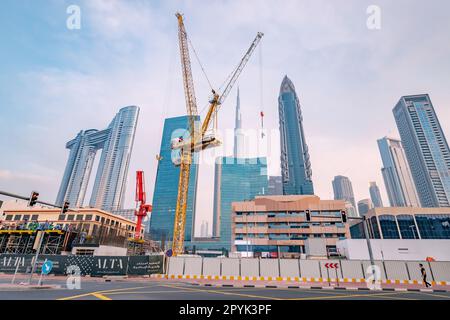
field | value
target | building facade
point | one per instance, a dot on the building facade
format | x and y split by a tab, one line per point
426	149
166	185
405	223
343	189
116	143
397	174
275	187
375	195
239	136
272	224
295	161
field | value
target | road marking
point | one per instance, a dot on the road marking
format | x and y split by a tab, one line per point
101	297
338	296
99	292
431	294
228	293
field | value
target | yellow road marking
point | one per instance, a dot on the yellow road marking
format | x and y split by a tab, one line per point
99	292
381	295
100	296
226	293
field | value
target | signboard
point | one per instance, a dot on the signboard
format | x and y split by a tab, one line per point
332	265
47	267
142	265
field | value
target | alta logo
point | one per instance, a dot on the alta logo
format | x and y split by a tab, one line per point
109	263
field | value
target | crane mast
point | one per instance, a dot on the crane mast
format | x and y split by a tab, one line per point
197	140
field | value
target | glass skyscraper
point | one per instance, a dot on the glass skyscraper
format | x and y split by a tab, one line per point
236	179
426	149
375	195
166	184
116	143
397	174
295	163
343	190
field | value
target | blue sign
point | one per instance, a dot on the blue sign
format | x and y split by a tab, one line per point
47	267
169	253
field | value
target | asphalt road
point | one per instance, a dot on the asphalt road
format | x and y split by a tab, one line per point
175	290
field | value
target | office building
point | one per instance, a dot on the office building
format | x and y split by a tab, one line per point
397	174
405	223
239	136
116	143
295	162
426	149
166	184
375	195
343	190
275	187
271	224
364	206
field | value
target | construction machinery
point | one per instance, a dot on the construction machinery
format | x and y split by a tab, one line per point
142	208
198	138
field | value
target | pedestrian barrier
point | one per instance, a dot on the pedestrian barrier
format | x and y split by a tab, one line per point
289	268
345	271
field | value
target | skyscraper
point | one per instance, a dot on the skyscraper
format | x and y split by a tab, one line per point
375	195
239	137
426	149
116	143
236	179
166	185
343	190
295	162
275	187
364	206
397	174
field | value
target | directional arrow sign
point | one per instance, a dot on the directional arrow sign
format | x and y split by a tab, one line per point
332	265
47	267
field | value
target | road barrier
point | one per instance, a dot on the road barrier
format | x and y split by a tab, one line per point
88	265
400	272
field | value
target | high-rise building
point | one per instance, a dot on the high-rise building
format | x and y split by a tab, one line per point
295	162
397	174
166	184
426	149
239	137
116	143
275	187
204	229
350	209
343	190
236	179
375	195
364	206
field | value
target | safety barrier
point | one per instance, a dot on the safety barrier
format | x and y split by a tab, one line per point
401	272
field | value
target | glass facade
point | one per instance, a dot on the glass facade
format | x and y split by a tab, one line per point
426	149
116	143
166	185
430	226
343	189
295	162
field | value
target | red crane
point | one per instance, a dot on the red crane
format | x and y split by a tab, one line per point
142	209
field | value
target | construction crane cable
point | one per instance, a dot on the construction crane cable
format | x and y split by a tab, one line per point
199	62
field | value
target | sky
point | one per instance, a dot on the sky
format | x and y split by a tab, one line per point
55	81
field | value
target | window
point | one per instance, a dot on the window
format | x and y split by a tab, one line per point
62	217
9	217
17	217
26	217
34	217
388	227
88	217
434	226
97	218
407	227
70	217
79	217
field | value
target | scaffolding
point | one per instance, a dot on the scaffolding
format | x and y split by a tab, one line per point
137	247
23	241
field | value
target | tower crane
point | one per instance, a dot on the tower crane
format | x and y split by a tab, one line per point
142	208
198	140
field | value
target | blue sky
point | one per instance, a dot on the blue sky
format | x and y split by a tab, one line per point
55	82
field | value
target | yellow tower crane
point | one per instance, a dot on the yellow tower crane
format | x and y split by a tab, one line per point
198	140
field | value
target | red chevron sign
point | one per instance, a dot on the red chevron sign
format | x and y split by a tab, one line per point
332	265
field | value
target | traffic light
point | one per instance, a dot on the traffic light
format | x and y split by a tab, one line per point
33	198
344	216
65	207
308	215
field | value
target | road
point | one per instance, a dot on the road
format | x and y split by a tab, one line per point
98	289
